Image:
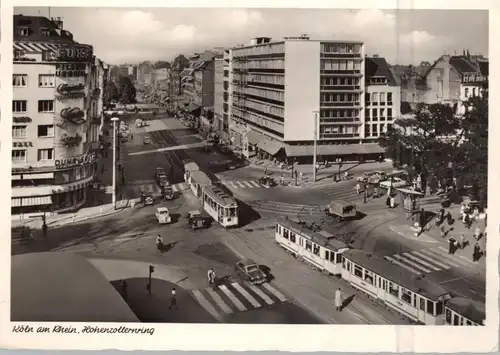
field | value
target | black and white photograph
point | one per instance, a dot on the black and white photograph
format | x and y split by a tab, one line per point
248	166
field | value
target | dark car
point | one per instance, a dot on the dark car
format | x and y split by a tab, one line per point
267	181
250	271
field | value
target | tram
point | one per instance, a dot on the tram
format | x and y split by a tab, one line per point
220	206
413	296
319	249
461	311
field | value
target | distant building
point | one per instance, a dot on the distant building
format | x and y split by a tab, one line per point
219	94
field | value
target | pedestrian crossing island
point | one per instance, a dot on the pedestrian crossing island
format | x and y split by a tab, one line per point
426	261
223	300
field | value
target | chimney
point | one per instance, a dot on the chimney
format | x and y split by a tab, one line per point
375	56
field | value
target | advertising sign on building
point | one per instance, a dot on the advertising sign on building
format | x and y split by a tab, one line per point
75	161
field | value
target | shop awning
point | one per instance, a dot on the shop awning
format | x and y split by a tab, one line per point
334	149
31	201
253	137
269	146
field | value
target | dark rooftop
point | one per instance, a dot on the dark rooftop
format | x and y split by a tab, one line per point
377	66
463	65
63	287
484	67
472	310
41	29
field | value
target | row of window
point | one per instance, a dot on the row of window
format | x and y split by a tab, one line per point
336	81
268	94
24	31
262	64
337	48
21	155
339	129
384	113
21	106
221	211
267	108
376	129
343	113
378	81
268	79
378	98
43	131
475	92
453	318
44	80
336	64
264	49
332	97
261	121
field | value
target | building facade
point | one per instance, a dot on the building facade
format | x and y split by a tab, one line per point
219	94
53	90
288	93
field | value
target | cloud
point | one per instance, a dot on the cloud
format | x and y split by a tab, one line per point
132	35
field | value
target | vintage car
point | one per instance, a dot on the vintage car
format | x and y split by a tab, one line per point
146	140
197	219
149	199
250	271
163	215
161	177
267	181
167	192
393	182
341	210
365	177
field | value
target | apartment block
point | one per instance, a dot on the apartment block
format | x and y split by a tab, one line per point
218	94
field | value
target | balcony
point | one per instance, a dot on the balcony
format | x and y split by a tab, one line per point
21	119
340	104
71	141
75	115
341	88
354	72
340	55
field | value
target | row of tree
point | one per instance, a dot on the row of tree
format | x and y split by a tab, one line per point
121	90
444	147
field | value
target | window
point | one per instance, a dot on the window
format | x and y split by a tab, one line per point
19	131
430	307
358	271
46	80
406	295
375	129
367	130
19	80
389	98
285	233
45	154
448	316
382	98
18	155
367	114
367	98
466	92
393	289
338	258
22	31
374	98
45	105
44	32
19	105
369	277
422	304
276	229
382	113
316	249
473	91
46	130
389	113
292	237
374	114
308	245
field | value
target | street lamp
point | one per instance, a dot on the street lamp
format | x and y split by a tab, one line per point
114	120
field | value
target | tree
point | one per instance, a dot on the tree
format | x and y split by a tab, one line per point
111	92
126	89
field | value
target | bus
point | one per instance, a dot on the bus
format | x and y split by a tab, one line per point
220	206
317	248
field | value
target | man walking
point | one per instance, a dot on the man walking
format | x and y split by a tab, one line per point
211	276
338	300
173	300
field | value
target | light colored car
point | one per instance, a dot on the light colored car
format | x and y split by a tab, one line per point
163	215
365	177
396	183
250	271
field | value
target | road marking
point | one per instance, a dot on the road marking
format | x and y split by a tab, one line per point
245	294
219	301
421	261
232	184
206	305
446	258
254	183
248	183
260	293
444	266
240	184
174	188
460	256
233	298
402	265
403	259
274	291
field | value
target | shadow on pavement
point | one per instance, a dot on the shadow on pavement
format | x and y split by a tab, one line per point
154	308
217	252
246	214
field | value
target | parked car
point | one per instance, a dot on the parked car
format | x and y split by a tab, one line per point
161	177
250	271
365	177
396	183
163	215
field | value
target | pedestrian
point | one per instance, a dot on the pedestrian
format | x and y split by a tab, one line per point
441	215
462	241
475	253
44	229
443	230
451	246
375	192
173	300
462	211
393	202
211	276
338	300
388	201
365	195
422	218
265	171
477	233
467	220
159	243
449	218
358	188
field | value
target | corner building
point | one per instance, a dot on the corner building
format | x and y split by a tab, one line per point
53	125
286	92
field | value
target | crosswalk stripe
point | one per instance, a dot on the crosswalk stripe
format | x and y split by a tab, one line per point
442	265
444	252
232	184
206	305
420	261
254	183
219	301
274	291
261	294
402	265
247	183
245	294
460	256
240	184
233	298
174	188
444	258
403	259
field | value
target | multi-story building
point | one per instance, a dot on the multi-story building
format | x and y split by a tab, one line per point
288	93
382	98
52	161
175	87
227	94
219	94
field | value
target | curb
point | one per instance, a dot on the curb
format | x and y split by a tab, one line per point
420	238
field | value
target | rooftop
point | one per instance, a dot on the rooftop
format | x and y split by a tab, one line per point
472	310
41	29
378	67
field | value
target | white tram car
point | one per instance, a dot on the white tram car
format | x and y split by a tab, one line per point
461	311
317	248
413	296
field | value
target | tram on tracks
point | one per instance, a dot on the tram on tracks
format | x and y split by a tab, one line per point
220	206
317	248
461	311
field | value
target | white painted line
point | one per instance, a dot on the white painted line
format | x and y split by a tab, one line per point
233	298
453	258
245	294
247	183
232	184
443	266
417	266
460	256
174	188
447	259
261	294
240	184
220	302
402	265
274	291
206	305
420	261
254	183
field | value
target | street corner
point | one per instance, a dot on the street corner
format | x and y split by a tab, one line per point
411	232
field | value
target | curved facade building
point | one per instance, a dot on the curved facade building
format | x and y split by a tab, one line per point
55	117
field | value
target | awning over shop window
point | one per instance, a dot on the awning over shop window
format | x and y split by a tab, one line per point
269	146
32	201
338	149
253	137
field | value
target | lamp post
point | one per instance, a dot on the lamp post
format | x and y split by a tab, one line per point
114	120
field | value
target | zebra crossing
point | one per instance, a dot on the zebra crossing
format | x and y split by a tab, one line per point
429	260
151	185
243	184
234	297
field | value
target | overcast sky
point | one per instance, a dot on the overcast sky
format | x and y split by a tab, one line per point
127	35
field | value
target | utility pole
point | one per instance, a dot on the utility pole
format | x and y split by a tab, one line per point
148	286
315	151
113	196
